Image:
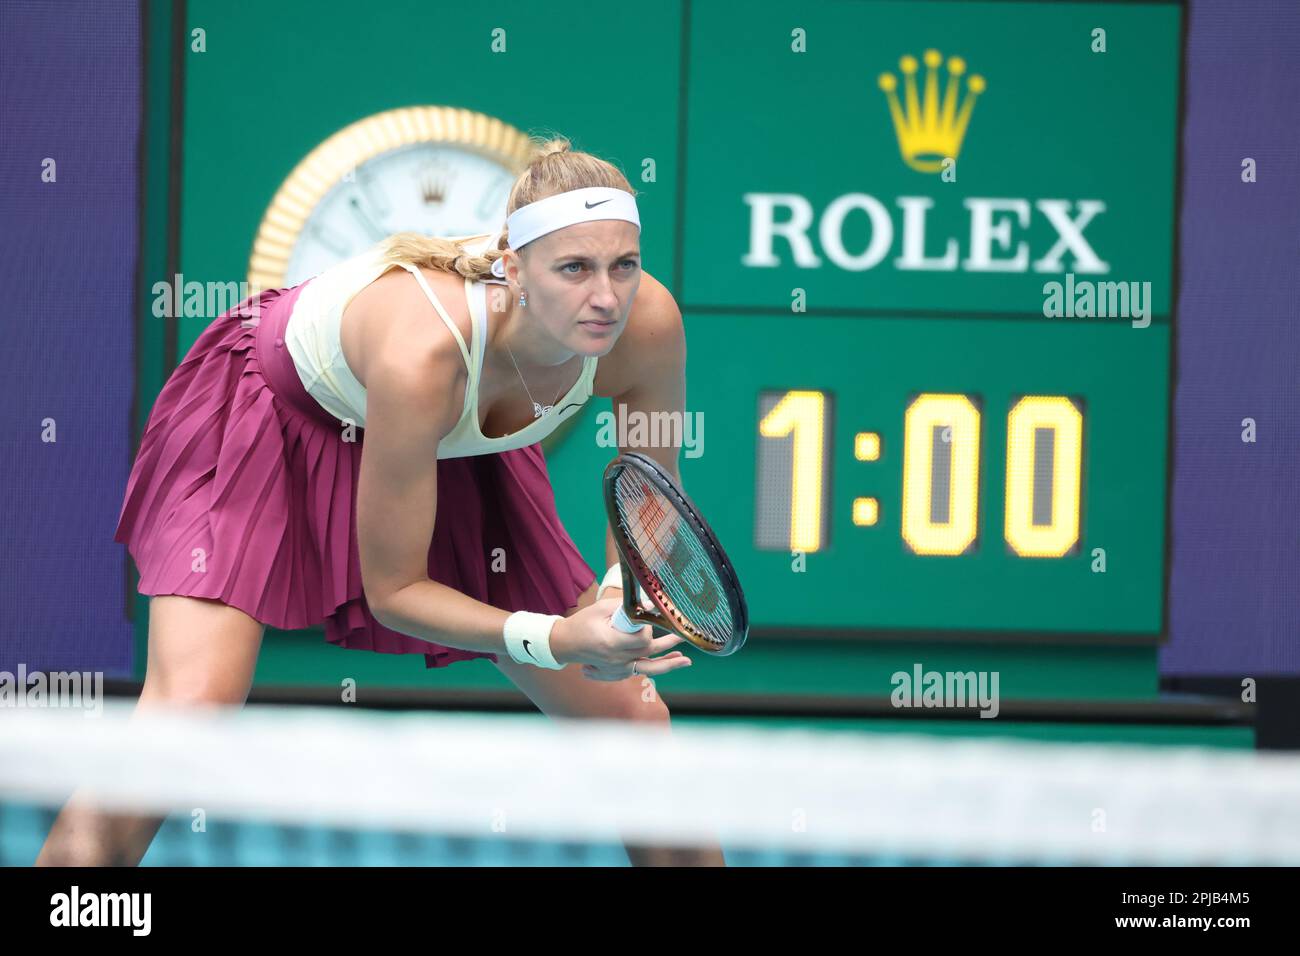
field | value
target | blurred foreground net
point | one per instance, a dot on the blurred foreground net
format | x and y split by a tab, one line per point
276	786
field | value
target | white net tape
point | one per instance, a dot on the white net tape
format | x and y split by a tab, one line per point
790	790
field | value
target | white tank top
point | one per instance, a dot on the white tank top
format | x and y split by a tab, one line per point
312	337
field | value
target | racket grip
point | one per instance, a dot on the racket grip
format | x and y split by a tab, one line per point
623	623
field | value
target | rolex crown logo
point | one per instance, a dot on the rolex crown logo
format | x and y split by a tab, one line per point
929	131
433	188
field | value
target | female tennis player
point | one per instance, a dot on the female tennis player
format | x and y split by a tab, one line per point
254	501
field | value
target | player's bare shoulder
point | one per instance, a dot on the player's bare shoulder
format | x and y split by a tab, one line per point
653	343
393	338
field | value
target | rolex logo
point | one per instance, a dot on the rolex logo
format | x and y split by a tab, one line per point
929	130
433	188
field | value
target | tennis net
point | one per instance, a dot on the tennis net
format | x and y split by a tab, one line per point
287	785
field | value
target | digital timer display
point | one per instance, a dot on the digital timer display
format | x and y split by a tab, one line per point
940	484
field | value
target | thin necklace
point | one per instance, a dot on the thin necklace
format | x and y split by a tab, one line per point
538	410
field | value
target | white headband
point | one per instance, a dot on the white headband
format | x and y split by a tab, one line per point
566	209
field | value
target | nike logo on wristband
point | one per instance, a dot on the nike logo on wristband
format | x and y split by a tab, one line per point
529	650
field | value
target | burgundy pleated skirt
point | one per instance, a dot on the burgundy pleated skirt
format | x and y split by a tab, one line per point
244	491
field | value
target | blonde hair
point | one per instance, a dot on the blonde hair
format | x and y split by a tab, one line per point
555	168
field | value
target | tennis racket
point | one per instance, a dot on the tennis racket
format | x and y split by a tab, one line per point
666	548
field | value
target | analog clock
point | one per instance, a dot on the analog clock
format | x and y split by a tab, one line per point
432	169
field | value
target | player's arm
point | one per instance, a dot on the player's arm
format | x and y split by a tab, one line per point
415	393
414	397
650	377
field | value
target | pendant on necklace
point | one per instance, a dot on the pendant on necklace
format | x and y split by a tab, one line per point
539	411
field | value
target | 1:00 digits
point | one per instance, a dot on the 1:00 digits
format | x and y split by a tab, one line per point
941	450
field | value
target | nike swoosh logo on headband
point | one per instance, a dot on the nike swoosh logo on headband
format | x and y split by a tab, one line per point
593	205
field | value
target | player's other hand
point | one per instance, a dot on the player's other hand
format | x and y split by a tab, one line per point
589	638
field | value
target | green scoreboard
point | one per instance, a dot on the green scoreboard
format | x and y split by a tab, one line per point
926	266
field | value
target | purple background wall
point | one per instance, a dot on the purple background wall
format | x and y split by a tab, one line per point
70	76
1235	583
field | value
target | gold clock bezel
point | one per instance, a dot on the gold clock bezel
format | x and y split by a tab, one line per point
322	168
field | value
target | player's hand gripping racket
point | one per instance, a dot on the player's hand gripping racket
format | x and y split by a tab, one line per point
666	548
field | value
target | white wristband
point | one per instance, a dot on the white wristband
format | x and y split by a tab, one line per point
613	579
528	639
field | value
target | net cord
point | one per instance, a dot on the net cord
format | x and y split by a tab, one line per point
793	790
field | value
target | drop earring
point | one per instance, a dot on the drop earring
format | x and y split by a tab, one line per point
523	300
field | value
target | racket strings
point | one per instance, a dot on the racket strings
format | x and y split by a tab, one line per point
676	558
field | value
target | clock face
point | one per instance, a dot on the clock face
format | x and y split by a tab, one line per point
439	189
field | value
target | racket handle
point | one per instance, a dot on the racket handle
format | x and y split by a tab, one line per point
623	623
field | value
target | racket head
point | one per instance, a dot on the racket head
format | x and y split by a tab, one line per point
666	547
